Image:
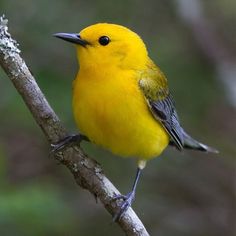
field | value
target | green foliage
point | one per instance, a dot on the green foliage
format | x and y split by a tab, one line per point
34	210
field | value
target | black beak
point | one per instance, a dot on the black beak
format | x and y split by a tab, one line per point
73	38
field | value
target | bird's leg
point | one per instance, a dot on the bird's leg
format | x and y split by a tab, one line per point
127	199
68	141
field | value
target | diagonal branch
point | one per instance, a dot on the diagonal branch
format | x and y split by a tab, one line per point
86	171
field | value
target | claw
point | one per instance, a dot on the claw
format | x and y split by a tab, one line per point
119	196
127	199
67	142
127	202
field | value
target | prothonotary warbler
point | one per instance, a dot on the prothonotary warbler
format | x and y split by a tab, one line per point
121	99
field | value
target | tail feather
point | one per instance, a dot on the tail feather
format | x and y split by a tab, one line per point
190	143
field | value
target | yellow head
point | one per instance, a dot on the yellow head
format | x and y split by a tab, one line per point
106	45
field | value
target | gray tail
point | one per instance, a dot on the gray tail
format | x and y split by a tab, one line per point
190	143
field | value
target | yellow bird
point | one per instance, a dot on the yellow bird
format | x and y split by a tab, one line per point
121	99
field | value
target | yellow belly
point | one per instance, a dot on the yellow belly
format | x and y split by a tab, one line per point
113	113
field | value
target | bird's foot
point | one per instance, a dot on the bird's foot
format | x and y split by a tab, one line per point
67	142
127	202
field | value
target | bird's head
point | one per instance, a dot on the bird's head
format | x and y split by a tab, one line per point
107	45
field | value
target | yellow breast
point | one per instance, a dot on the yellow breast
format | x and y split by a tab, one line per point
112	112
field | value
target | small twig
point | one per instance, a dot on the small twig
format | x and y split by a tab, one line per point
86	171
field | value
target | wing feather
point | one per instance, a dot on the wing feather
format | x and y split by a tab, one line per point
153	83
164	111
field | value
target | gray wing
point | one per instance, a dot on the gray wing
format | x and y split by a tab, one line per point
153	84
164	111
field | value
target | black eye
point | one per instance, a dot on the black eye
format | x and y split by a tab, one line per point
104	40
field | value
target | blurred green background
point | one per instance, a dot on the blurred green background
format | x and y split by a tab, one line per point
180	194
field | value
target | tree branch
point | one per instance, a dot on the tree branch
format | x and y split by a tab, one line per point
86	171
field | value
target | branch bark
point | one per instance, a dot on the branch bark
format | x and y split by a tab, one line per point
86	171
